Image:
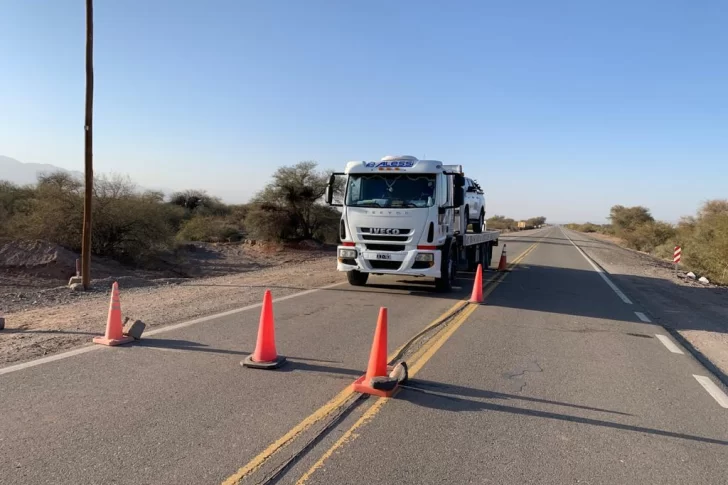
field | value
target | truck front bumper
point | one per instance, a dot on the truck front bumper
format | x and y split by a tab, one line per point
390	262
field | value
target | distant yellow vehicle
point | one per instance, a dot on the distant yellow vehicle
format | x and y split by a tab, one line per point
521	225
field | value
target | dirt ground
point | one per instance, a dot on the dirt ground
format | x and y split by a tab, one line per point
43	316
697	312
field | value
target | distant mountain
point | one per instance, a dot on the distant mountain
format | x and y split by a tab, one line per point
27	173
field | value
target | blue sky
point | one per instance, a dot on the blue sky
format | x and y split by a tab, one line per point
559	108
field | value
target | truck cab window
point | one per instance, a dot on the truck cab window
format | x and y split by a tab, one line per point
391	190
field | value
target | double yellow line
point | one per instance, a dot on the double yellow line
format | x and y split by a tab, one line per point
461	310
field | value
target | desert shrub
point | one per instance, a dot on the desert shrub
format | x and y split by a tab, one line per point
648	236
501	223
207	229
198	202
704	240
126	224
627	219
291	206
237	215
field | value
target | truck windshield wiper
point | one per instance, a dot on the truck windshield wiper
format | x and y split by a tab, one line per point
368	204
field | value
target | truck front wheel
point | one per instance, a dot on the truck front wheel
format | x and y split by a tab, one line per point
447	272
357	278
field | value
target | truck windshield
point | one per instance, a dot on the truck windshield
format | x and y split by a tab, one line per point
391	190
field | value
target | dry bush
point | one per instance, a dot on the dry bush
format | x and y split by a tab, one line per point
501	223
648	236
704	240
127	225
291	207
208	229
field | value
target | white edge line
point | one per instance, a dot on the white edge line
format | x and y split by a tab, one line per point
614	288
167	328
669	344
713	390
643	317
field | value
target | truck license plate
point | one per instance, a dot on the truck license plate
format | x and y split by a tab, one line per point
384	256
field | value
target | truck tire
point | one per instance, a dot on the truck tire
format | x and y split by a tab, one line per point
448	269
484	256
357	278
478	226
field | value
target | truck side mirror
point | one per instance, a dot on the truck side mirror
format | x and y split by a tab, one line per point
330	189
458	198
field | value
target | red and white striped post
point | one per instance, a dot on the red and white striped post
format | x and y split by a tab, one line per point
676	257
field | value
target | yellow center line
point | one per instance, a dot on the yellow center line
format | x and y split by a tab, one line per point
419	359
317	415
346	393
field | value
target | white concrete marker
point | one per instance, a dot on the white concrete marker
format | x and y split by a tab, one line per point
713	390
669	344
599	270
168	328
643	317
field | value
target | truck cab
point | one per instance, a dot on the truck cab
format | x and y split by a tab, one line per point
401	216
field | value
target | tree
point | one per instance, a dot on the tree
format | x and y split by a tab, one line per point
627	219
198	202
536	221
291	206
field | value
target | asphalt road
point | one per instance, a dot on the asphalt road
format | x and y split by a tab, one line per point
555	379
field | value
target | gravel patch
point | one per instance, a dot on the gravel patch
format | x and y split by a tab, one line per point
42	321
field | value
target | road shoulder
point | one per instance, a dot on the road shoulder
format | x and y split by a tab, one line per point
694	314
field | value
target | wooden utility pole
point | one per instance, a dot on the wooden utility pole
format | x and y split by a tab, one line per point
88	161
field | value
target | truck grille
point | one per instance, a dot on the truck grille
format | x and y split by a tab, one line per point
391	265
385	247
378	234
382	237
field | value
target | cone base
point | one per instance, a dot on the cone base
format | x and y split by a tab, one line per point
273	364
363	387
397	374
112	341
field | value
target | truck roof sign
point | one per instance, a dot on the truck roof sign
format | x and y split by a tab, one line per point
392	164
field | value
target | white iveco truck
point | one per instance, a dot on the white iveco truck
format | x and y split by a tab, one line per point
404	216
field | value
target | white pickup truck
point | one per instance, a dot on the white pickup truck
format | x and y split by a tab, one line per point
404	216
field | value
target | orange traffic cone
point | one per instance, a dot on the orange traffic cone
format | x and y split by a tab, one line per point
265	355
503	265
477	295
114	328
377	367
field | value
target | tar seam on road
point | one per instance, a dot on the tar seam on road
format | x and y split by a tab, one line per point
599	270
669	344
715	392
167	328
456	311
425	355
420	359
320	414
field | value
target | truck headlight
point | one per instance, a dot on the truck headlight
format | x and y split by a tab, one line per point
427	257
347	253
